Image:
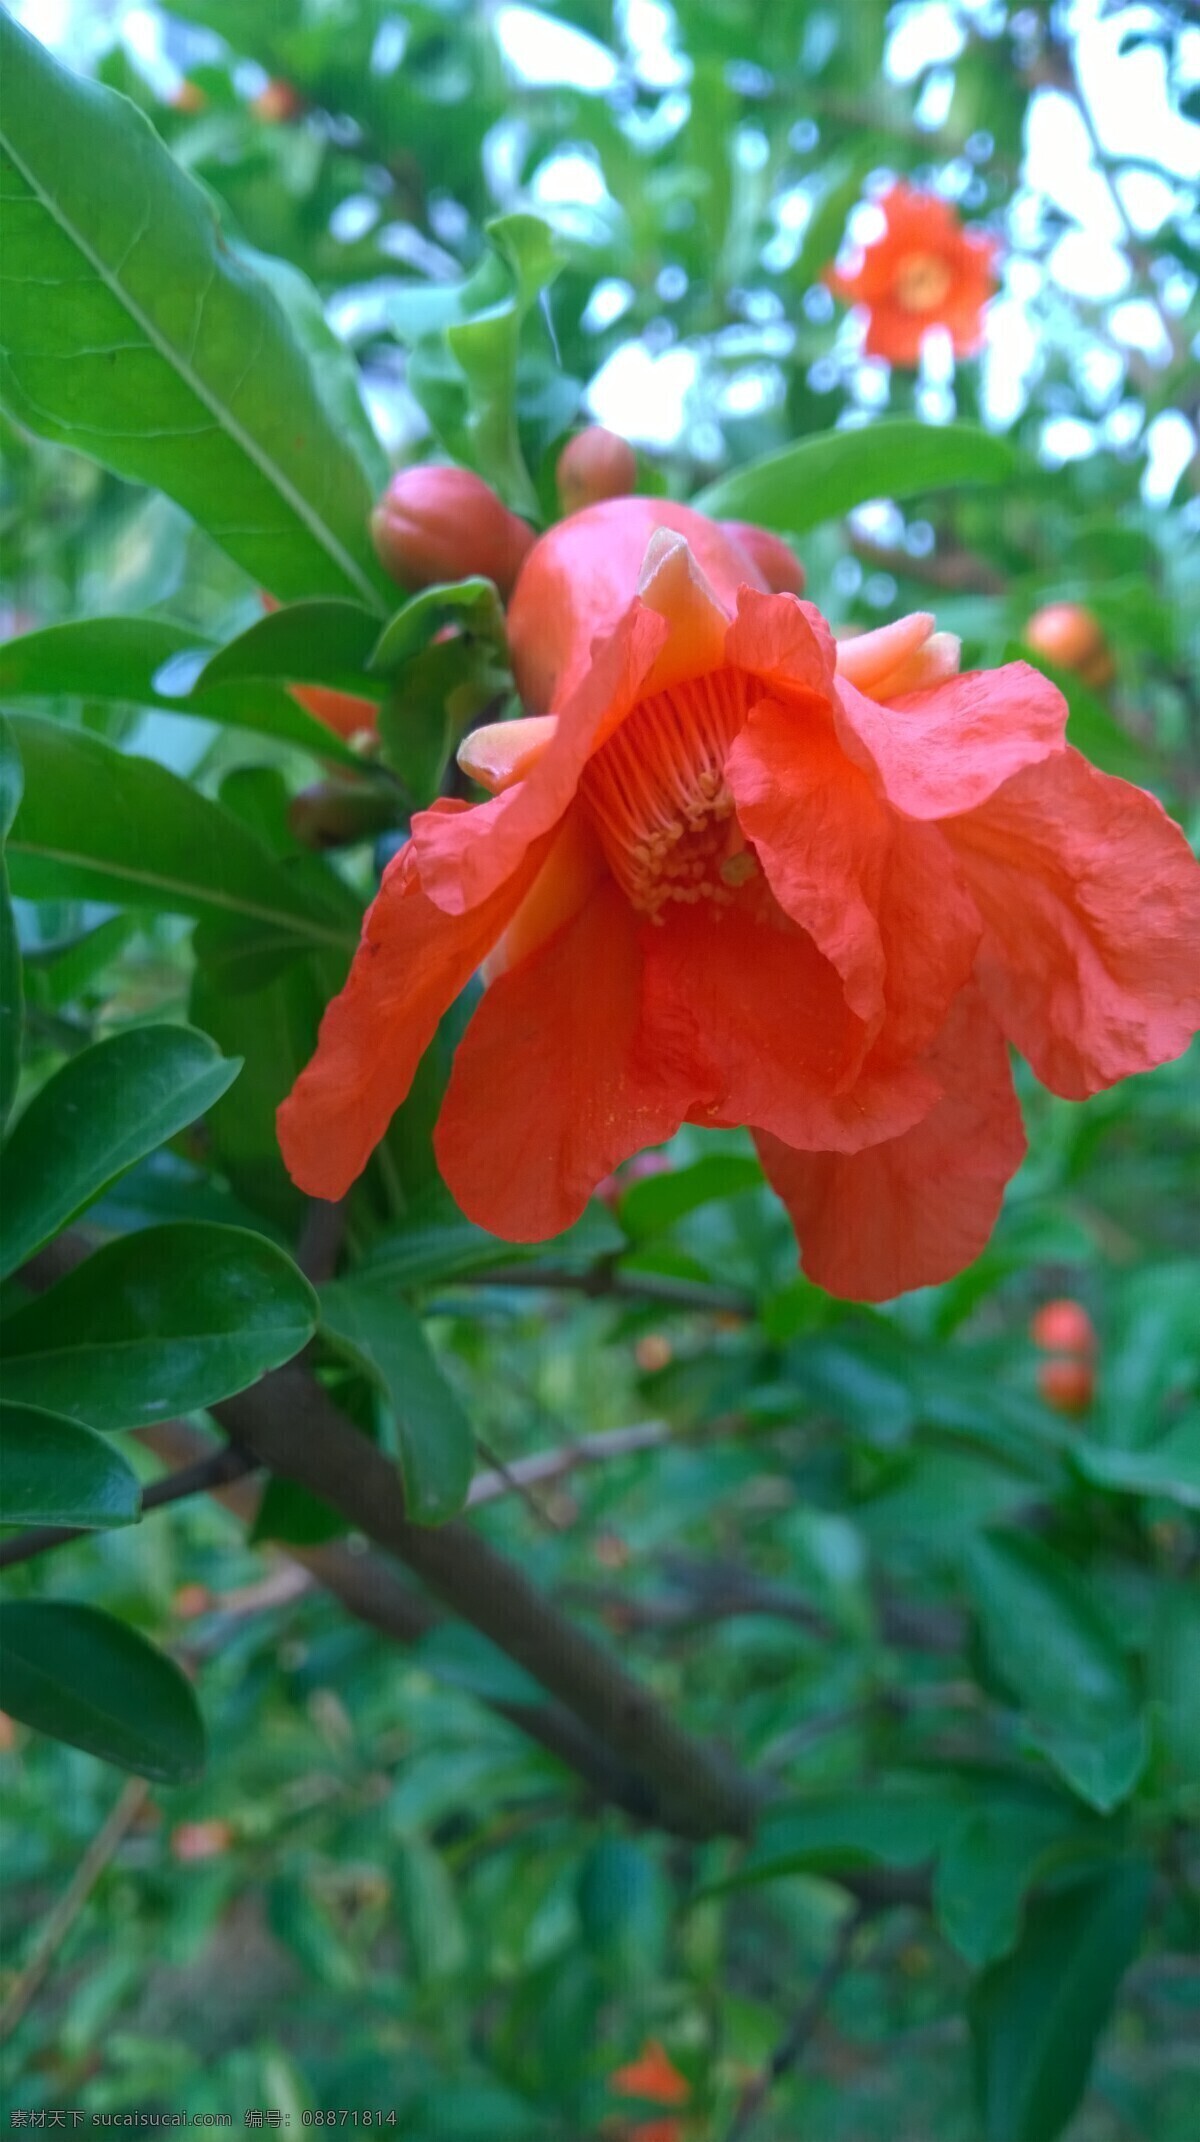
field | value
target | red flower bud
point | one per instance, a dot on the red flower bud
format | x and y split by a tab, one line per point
277	103
775	559
595	464
438	523
1072	638
1067	1386
1063	1327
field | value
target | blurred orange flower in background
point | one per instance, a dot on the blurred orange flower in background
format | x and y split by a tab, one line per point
924	270
732	874
653	2075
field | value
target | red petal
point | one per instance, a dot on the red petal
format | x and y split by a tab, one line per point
784	641
781	1049
412	963
551	1088
821	835
1091	902
940	752
916	1210
462	865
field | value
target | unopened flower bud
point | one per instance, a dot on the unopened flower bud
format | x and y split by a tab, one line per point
595	464
775	559
333	814
277	103
1068	1386
438	523
1072	638
1063	1327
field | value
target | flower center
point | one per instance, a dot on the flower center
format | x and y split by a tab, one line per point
658	799
922	281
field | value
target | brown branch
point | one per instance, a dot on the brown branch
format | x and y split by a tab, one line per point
960	572
209	1472
291	1425
791	2047
58	1923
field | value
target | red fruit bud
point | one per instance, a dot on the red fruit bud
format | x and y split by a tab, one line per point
277	103
775	559
595	464
435	523
200	1840
1063	1327
1068	1386
1072	638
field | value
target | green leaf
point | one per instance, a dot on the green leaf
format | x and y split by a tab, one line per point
1049	1643
1171	1666
319	642
85	1678
473	605
992	1857
430	1913
136	334
1036	2016
825	476
159	1322
100	1113
149	662
436	1243
98	824
463	366
623	1910
433	1442
655	1203
1170	1468
11	993
900	1825
57	1472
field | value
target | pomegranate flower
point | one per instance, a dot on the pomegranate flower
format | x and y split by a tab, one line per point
924	270
653	2075
731	874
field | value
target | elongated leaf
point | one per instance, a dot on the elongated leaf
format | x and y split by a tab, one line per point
85	1678
98	824
134	661
823	477
900	1826
1170	1468
436	1243
657	1201
135	333
11	996
56	1472
321	642
473	605
434	1446
1174	1650
100	1113
159	1322
1036	2016
1050	1644
992	1857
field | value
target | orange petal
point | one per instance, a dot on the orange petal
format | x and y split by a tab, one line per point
412	963
915	1210
871	656
551	1088
949	749
672	584
505	751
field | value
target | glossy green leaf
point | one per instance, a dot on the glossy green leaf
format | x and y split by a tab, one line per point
1036	2016
98	824
100	1113
436	1243
1051	1645
992	1857
433	1442
321	642
900	1825
150	662
172	360
472	605
1170	1468
83	1677
825	476
11	993
657	1201
158	1323
57	1472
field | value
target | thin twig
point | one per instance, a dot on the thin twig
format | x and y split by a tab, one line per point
59	1921
606	1280
224	1465
522	1473
791	2047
